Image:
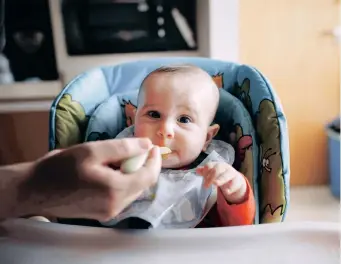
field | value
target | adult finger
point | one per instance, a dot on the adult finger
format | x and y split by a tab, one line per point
116	150
141	179
149	173
52	153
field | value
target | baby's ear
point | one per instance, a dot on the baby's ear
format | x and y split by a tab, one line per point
211	133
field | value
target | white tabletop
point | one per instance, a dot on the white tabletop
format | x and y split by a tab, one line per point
27	241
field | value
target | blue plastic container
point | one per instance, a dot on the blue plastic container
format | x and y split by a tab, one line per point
334	157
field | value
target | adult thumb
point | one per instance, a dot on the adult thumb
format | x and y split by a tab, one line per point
52	153
148	175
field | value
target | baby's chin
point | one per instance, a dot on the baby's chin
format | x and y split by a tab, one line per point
172	161
168	163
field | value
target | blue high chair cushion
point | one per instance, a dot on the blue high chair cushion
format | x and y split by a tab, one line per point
99	103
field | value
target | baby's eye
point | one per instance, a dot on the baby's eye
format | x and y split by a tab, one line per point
184	119
153	114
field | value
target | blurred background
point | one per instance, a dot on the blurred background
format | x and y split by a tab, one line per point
295	43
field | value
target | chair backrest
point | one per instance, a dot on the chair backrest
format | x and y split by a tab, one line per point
99	103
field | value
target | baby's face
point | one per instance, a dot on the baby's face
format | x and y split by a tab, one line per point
175	111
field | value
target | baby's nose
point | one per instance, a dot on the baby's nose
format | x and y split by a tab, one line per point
166	131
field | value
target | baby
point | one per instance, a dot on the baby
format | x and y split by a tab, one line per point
197	187
176	107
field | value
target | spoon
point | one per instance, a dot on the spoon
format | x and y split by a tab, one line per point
135	163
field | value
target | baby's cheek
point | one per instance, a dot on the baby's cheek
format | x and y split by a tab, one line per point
145	131
190	152
141	131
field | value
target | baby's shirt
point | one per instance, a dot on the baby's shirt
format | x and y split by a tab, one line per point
179	200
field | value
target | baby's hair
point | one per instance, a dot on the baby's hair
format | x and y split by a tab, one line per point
176	68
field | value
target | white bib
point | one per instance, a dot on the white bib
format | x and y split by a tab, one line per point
179	200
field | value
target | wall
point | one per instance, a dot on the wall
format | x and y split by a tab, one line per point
287	41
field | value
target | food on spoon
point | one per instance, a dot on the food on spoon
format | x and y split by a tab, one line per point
165	150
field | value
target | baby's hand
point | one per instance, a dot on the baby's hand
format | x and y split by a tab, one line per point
231	182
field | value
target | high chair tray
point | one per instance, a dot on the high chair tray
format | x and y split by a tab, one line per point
27	241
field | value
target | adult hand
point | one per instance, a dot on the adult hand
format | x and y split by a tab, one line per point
80	182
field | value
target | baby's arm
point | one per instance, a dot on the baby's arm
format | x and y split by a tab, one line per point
236	214
235	201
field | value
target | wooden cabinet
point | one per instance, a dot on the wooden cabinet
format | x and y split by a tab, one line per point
23	136
289	42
